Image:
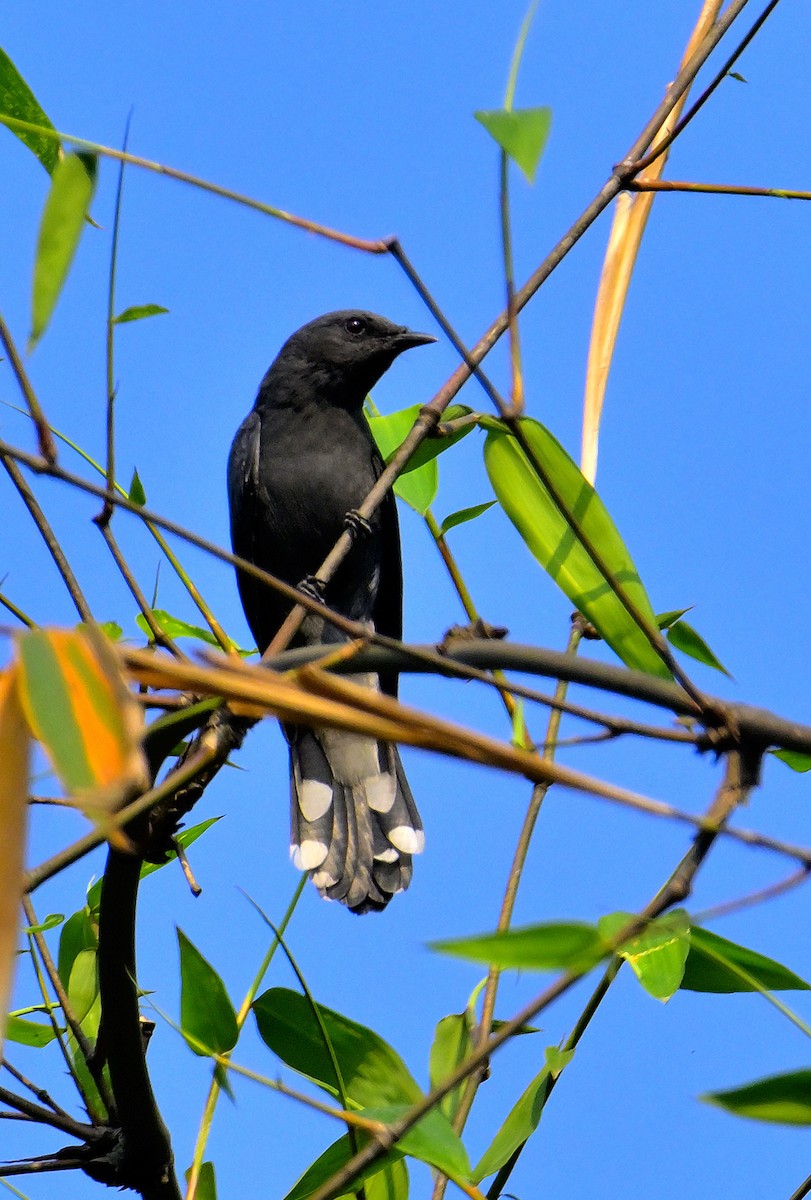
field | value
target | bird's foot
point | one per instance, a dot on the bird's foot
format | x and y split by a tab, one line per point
473	632
356	525
313	587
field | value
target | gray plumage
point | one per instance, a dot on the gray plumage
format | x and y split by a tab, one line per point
302	460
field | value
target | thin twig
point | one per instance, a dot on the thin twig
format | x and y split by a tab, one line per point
40	1093
401	258
106	513
761	896
47	448
717	79
41	1166
22	617
802	1191
46	532
158	636
46	1116
714	189
378	246
71	854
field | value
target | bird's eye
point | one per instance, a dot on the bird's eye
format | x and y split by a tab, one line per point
355	325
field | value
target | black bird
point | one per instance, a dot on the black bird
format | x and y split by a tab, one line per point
302	461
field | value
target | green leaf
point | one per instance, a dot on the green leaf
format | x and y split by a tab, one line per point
393	1176
784	1099
372	1072
87	1085
530	507
658	953
206	1013
432	1140
28	1033
17	100
717	965
112	630
83	985
389	1184
666	619
521	1032
555	946
390	432
206	1182
524	1116
463	515
72	185
452	1044
136	491
419	488
520	132
77	934
173	627
419	483
737	75
138	312
50	922
794	759
684	638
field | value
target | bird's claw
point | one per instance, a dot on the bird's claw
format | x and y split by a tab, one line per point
356	525
313	587
473	632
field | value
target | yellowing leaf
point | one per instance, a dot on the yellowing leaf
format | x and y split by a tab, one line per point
630	218
78	706
14	743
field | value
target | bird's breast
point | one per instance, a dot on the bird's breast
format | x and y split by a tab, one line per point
314	467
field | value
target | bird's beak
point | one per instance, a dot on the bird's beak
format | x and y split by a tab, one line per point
406	338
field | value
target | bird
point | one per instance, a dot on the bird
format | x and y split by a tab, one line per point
300	466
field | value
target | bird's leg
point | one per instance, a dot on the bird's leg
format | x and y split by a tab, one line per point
356	525
313	587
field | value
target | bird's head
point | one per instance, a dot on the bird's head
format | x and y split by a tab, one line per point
342	355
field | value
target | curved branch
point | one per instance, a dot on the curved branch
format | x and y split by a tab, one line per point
145	1162
756	724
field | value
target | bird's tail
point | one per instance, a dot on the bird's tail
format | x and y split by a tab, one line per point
354	823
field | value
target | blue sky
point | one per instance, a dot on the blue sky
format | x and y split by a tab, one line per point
361	117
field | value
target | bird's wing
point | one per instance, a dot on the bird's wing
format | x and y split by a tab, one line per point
388	609
243	483
243	503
